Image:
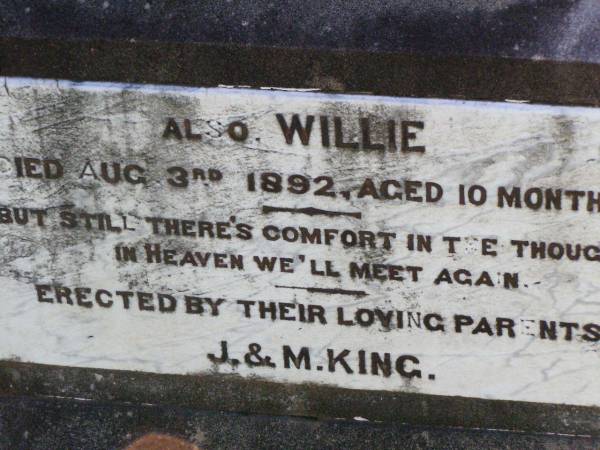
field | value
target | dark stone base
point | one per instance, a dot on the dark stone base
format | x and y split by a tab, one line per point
52	423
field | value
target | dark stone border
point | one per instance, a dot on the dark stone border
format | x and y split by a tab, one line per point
474	78
248	395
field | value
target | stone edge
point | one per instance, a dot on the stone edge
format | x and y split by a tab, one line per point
377	73
233	393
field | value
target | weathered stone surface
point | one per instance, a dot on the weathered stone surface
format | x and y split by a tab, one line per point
423	246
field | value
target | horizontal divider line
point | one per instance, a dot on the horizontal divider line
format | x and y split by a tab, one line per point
326	290
310	211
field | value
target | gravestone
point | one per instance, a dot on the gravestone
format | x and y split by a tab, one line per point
355	231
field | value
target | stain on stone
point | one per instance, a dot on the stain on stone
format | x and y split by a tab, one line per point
155	441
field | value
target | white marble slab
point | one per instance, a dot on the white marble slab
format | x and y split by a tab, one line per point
496	325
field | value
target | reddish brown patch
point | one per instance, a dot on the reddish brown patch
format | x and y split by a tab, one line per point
155	441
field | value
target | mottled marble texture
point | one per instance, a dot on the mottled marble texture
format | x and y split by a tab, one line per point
488	144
